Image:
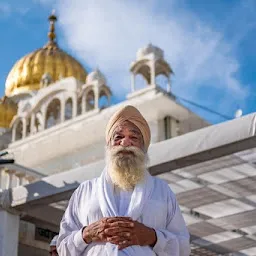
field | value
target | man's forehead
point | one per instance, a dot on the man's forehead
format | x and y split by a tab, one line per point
127	125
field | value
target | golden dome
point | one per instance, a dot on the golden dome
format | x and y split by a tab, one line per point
8	110
27	72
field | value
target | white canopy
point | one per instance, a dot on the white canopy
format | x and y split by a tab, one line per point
209	169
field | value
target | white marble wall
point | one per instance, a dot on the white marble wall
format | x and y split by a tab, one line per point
81	140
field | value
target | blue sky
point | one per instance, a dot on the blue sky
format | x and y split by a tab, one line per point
209	44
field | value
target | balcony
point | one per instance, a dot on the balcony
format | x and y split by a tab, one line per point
13	175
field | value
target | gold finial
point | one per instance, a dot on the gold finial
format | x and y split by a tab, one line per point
52	19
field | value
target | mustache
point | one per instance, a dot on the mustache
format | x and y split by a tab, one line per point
127	150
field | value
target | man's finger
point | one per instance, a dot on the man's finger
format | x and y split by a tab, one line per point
118	240
118	231
114	219
114	239
128	224
124	244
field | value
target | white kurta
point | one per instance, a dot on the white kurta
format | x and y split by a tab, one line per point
160	212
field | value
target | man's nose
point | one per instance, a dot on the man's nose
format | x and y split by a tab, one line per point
126	142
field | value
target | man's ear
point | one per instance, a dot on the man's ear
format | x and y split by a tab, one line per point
108	144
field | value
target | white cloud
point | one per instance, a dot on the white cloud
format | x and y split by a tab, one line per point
108	34
5	8
45	2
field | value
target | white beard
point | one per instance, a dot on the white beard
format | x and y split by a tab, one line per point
126	170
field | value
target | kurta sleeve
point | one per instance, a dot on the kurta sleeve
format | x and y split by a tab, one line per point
174	240
70	241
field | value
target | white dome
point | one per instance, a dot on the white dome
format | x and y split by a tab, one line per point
238	113
96	77
150	52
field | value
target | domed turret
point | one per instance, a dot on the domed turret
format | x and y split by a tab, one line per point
96	77
150	63
150	52
28	72
95	91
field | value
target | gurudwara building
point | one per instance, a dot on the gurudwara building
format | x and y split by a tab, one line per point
52	123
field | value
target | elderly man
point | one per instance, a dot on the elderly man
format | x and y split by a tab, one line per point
53	249
125	211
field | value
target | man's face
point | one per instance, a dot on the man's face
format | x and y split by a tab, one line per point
53	251
126	157
127	135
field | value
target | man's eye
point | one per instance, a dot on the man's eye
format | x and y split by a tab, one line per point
118	138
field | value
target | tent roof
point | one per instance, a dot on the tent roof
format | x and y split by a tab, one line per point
212	171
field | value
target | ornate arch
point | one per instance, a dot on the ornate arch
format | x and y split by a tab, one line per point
90	98
17	129
80	106
39	122
104	97
28	126
53	113
68	110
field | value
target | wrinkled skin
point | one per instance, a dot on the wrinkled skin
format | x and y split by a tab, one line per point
122	231
53	251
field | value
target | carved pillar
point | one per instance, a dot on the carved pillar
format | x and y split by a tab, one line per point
133	82
20	179
62	110
74	106
32	124
43	112
169	84
24	128
96	97
14	129
152	74
10	176
109	99
83	103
